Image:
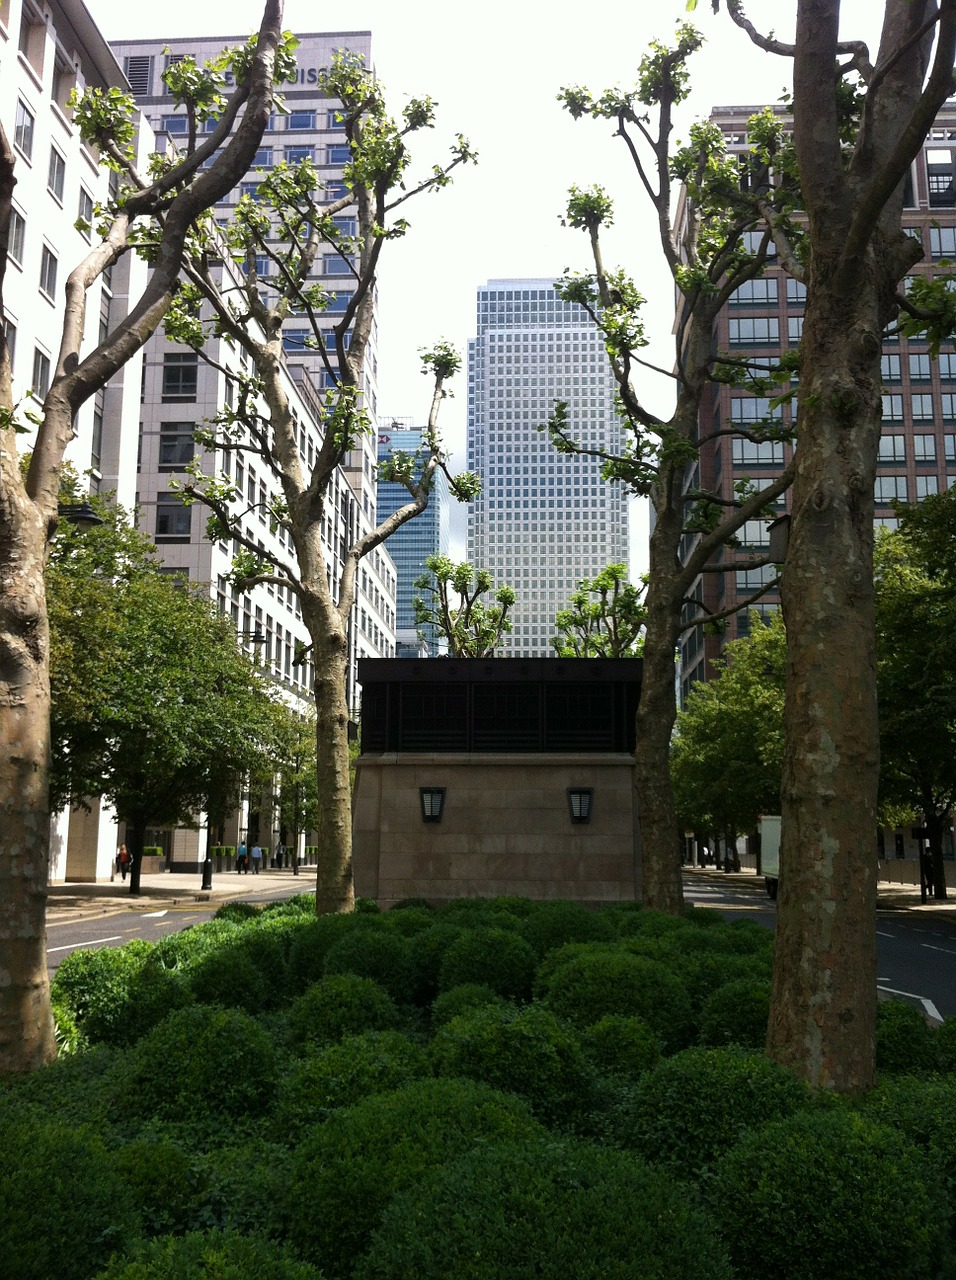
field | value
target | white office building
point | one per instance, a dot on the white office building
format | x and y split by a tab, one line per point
544	520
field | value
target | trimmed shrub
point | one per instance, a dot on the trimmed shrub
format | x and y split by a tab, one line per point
379	954
904	1042
463	999
341	1005
229	977
345	1073
238	911
299	904
524	1051
201	1061
363	1155
312	944
413	904
552	924
367	907
690	1109
246	1186
925	1111
482	913
78	1089
945	1045
548	1210
826	1194
162	1180
410	920
209	1255
495	957
737	1013
620	1046
65	1209
426	951
586	988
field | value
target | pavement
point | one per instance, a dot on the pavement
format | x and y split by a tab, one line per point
889	896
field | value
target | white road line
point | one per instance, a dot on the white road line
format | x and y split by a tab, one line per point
880	934
924	1001
154	915
946	950
95	943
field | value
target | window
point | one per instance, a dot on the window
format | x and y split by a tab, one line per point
300	120
924	448
41	374
759	293
180	377
796	290
754	331
922	405
23	129
942	242
890	489
946	361
794	329
336	264
296	154
754	534
753	409
949	447
250	190
751	453
752	240
56	177
948	406
339	302
16	237
262	158
338	153
176	445
328	380
333	118
96	443
939	173
892	408
138	69
920	367
48	265
10	337
892	449
335	190
32	38
926	486
345	226
295	339
751	579
172	518
175	125
890	369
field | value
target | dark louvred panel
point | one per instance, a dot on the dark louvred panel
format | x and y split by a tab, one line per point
433	717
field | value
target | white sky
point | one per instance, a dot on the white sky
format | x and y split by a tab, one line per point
494	70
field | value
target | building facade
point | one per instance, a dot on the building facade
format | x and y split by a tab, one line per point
411	545
544	520
764	319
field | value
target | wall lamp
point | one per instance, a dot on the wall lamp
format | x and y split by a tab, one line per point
579	803
432	801
80	514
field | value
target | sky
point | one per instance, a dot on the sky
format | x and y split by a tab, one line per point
494	71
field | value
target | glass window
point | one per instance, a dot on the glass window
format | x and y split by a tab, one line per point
338	265
753	331
796	290
296	154
16	236
753	409
926	486
939	172
10	337
760	292
56	177
263	158
942	242
924	448
892	449
890	369
250	190
947	402
889	489
922	406
299	120
892	408
48	266
176	125
920	367
335	191
794	329
84	212
333	118
752	453
172	518
23	129
339	153
176	445
41	373
295	339
339	302
180	377
345	226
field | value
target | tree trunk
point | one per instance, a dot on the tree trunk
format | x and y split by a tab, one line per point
135	842
333	888
934	833
823	1010
27	1038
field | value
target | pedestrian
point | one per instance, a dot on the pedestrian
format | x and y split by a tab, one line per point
280	855
256	859
241	860
123	860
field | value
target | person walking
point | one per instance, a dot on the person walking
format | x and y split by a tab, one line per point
242	860
256	859
123	860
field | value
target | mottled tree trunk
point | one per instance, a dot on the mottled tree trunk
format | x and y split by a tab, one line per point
934	834
333	888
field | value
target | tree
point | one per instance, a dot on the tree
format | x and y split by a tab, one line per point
725	760
916	668
823	1010
472	628
608	626
175	721
291	222
177	195
294	758
722	243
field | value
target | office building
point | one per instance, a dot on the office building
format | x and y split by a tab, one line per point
411	545
544	520
765	318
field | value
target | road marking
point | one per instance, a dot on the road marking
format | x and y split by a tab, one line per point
946	950
151	915
880	934
923	1000
95	943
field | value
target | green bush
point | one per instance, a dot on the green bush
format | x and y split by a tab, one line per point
925	1111
552	924
495	957
549	1210
209	1255
363	1155
905	1044
64	1209
345	1073
201	1061
621	1046
184	949
413	904
410	920
299	904
246	1185
228	976
162	1179
945	1046
379	954
426	951
827	1194
338	1006
239	912
482	913
586	988
312	944
737	1013
81	1088
524	1051
470	995
691	1108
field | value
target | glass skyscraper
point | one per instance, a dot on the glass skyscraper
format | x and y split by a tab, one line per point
544	520
410	545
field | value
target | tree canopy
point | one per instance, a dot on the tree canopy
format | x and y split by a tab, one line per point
472	627
604	618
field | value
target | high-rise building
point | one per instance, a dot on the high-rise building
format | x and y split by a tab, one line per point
411	544
544	520
763	319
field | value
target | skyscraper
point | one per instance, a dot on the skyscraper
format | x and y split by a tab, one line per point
412	544
544	520
763	319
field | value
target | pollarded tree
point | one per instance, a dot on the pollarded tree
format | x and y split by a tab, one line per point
176	196
604	618
823	1010
472	627
292	224
722	242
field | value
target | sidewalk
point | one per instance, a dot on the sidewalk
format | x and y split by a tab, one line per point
169	889
889	896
